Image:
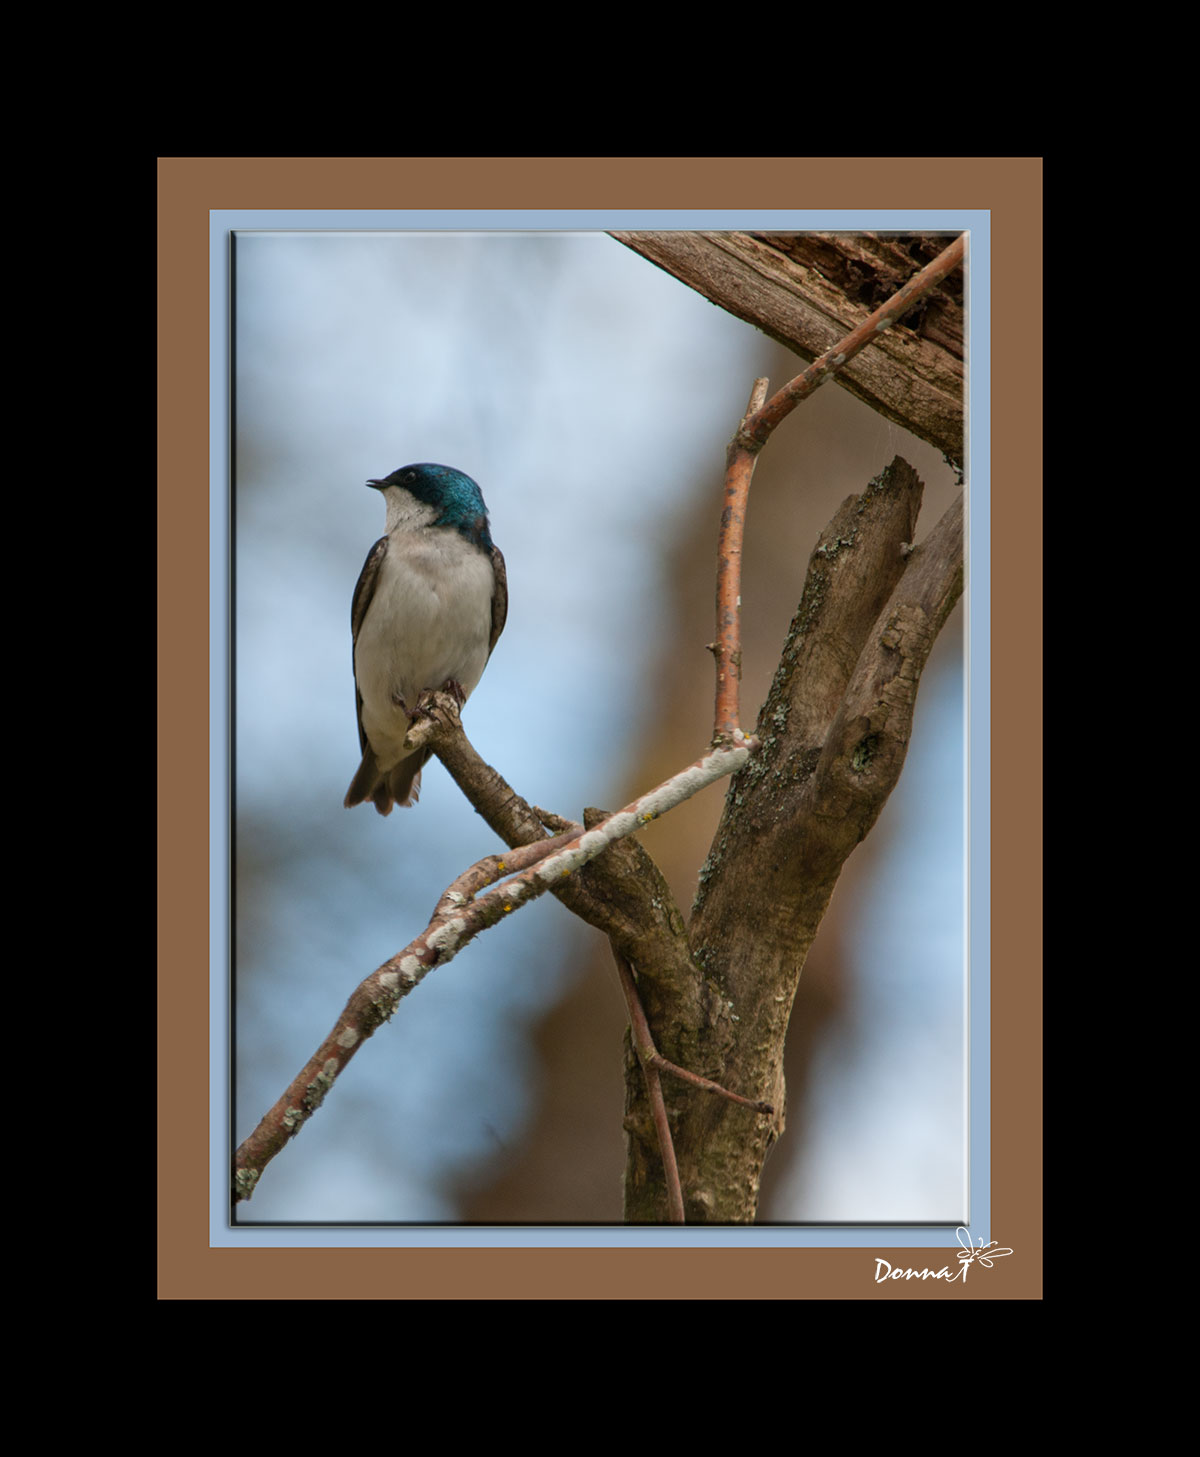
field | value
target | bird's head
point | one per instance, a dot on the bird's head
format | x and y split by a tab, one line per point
449	497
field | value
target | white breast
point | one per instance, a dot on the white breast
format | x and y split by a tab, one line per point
429	620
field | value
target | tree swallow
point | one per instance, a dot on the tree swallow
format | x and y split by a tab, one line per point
427	610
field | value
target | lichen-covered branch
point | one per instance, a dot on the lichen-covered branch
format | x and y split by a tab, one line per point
464	910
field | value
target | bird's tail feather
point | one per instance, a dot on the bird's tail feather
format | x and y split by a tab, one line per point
366	776
401	785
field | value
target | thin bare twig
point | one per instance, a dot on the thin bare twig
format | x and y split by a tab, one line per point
664	1064
739	471
752	434
653	1063
648	1053
643	1046
756	431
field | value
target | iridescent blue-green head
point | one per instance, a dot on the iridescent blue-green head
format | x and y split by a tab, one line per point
454	498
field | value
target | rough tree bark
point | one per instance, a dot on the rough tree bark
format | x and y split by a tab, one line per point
834	732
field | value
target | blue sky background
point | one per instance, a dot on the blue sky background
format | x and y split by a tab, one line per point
588	393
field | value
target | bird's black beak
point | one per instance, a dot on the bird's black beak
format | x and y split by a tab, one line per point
377	485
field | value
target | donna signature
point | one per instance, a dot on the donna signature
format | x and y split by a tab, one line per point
967	1254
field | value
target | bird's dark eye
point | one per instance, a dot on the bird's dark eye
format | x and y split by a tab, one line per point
410	475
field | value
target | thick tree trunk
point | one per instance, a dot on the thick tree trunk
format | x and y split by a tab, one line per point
834	732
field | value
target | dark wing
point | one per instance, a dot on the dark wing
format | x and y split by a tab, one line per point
364	591
499	597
